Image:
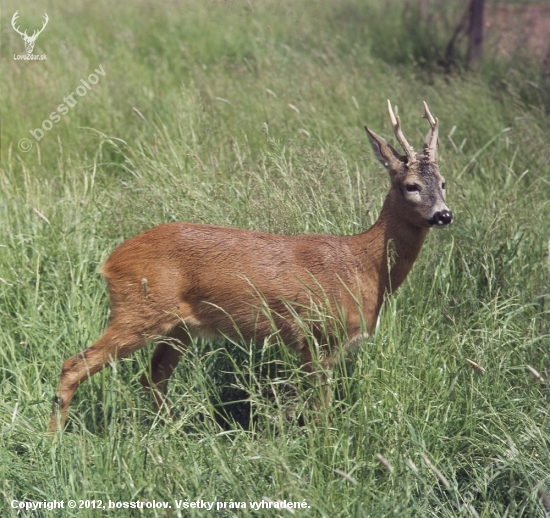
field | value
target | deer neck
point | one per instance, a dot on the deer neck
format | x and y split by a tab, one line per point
387	252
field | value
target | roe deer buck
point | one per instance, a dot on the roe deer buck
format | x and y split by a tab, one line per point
182	280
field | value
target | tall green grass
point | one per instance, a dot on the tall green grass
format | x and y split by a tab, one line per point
251	115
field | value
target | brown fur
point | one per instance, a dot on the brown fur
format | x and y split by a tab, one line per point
183	280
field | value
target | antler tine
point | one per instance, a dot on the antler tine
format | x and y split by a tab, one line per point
430	142
428	115
396	123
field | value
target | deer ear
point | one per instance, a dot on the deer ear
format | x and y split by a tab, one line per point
386	154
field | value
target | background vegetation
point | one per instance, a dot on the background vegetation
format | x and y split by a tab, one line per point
250	114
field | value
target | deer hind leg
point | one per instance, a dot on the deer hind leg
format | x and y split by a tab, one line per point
119	340
163	362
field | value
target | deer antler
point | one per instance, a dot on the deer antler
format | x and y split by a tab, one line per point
16	29
36	33
430	142
396	123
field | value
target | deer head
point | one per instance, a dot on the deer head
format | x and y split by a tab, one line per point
29	40
418	189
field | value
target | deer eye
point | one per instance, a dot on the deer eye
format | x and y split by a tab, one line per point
443	185
412	187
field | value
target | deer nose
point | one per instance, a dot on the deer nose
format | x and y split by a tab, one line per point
442	218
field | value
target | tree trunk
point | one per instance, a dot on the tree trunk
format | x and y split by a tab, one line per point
471	23
475	36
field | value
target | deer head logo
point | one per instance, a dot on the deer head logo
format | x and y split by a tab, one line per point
29	40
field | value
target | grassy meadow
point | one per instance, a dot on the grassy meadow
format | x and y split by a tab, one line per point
251	114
